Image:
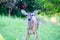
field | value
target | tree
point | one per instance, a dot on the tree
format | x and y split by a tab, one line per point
49	6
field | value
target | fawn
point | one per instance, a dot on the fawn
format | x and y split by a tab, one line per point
32	24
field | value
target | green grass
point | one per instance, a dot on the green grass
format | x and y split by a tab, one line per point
15	29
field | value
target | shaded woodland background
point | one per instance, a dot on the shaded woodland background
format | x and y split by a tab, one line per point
45	7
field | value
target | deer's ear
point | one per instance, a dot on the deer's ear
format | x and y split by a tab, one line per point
23	12
35	12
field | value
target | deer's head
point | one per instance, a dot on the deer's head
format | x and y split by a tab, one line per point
29	15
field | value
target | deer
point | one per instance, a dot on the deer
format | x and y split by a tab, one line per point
32	22
11	6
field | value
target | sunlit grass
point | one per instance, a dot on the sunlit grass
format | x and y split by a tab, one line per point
15	29
1	37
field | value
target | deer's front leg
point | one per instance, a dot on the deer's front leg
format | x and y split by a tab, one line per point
36	36
28	36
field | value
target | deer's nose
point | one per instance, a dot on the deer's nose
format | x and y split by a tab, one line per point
29	19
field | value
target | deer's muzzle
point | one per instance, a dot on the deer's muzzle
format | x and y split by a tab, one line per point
29	19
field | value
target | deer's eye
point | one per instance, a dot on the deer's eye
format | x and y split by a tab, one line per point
31	15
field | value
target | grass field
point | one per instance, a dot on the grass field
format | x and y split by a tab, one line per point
15	29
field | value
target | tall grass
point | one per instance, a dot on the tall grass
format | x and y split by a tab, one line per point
15	29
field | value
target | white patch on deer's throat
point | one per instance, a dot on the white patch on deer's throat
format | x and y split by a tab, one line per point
34	19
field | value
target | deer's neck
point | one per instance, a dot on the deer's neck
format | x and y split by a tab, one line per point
34	19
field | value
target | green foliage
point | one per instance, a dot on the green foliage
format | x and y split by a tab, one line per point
3	10
49	7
